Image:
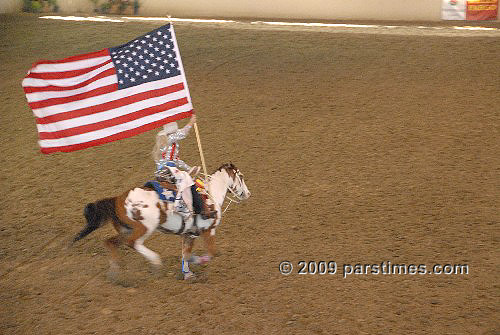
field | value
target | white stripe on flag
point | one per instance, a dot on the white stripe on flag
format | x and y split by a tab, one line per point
179	59
44	95
70	66
35	82
110	114
98	134
100	99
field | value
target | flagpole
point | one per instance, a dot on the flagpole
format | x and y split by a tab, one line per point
199	148
188	96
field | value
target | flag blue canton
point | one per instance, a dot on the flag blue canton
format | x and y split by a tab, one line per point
148	58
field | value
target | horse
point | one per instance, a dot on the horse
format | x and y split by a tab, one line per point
138	212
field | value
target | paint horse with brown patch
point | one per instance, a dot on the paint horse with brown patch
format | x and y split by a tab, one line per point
139	212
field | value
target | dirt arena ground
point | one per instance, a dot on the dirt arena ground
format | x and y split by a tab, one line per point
358	147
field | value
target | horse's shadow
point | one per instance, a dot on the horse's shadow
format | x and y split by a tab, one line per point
136	273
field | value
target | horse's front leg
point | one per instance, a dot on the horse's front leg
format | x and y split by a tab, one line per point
209	240
187	248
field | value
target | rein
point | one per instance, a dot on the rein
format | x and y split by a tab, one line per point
234	198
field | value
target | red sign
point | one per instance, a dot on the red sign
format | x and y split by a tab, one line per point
482	10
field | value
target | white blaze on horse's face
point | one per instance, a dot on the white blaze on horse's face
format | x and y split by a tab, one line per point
239	188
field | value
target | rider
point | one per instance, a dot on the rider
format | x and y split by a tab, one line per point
166	156
166	149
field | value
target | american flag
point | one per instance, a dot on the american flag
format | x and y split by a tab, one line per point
108	95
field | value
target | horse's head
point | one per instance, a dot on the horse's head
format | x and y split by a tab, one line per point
237	184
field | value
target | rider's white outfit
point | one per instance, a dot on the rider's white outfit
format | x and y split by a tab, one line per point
183	182
166	149
166	156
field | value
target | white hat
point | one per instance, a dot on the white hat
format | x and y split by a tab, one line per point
170	128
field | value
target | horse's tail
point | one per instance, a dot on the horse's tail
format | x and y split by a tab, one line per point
97	214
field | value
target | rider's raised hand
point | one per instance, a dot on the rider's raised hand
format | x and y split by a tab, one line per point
193	119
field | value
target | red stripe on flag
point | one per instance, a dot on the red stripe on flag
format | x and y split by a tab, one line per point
119	136
110	105
76	97
112	122
35	89
100	53
65	74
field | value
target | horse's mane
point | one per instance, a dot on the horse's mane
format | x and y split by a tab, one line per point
227	166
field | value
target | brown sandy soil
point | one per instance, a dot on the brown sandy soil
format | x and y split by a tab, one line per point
358	148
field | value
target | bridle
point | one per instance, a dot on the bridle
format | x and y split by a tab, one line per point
233	190
234	197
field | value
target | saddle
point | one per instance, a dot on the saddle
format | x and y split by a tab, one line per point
167	192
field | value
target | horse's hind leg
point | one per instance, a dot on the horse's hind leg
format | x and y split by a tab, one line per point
113	243
136	241
150	255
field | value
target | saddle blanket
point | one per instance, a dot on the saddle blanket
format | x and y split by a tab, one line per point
163	193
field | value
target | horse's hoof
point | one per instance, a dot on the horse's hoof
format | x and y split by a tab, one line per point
114	271
124	282
205	259
117	278
158	271
189	275
200	260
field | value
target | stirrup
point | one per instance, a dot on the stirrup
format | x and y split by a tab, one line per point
185	214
